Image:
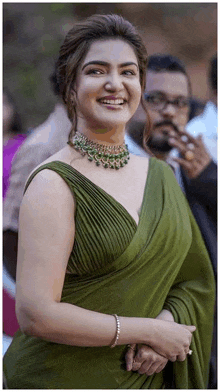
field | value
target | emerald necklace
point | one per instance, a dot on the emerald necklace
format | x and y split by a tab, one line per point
113	157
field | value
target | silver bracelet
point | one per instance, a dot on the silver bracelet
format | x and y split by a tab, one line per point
118	330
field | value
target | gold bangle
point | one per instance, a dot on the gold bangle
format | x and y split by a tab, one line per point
118	330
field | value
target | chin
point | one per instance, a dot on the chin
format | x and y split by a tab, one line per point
110	122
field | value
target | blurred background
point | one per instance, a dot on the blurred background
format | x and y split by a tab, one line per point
33	33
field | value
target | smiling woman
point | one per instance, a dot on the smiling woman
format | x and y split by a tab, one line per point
112	64
109	254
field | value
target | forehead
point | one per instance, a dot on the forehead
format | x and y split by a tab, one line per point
111	50
170	83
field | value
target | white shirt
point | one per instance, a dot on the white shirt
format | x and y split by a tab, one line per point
206	124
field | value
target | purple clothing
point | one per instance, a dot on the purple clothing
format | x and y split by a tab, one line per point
9	150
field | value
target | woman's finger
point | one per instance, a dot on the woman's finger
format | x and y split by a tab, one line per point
161	367
136	365
173	358
129	356
152	369
145	366
181	357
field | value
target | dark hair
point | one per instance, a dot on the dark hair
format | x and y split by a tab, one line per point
213	73
77	44
54	83
166	62
16	125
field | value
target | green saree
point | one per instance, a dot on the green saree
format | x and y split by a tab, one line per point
132	270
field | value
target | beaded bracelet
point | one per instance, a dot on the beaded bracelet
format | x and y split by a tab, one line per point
118	329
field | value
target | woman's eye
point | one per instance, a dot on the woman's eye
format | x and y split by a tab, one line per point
128	72
94	72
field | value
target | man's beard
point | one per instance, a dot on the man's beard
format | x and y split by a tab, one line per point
161	144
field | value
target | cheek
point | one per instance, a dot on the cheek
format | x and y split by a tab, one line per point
87	88
183	119
85	96
136	93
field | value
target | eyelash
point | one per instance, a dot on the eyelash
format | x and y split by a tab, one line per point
100	72
129	72
94	71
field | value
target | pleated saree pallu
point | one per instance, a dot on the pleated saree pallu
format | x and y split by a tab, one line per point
132	270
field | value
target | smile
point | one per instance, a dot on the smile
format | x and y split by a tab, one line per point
118	101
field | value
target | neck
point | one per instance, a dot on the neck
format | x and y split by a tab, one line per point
107	136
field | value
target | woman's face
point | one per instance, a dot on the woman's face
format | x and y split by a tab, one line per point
108	89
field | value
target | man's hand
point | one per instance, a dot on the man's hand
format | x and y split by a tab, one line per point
194	155
144	359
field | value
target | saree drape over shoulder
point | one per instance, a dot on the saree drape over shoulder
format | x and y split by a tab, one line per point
132	270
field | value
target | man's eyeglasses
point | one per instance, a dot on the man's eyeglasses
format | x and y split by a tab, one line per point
160	102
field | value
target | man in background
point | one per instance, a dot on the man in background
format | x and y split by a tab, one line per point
167	97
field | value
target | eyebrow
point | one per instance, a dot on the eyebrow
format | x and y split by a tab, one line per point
99	62
163	93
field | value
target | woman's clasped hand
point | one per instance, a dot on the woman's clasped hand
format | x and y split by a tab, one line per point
170	341
143	359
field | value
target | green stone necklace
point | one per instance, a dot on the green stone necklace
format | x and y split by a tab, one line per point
114	157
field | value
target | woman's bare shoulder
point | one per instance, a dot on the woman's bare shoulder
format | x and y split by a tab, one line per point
44	178
48	188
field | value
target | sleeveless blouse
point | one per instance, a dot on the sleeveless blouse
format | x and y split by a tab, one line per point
98	241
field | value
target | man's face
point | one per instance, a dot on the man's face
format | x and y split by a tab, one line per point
166	117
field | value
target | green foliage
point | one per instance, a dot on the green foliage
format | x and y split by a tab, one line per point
30	80
59	8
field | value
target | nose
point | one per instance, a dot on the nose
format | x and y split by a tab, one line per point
114	82
169	111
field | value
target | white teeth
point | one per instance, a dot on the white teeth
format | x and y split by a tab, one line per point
113	101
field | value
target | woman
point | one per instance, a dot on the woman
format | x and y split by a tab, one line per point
107	258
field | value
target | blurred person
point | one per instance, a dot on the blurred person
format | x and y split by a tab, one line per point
167	95
43	142
199	175
134	136
13	137
166	75
107	243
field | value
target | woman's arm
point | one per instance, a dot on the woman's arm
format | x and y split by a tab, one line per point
46	238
